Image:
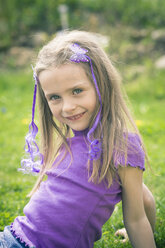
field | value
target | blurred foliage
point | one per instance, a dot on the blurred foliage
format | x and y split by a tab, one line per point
22	17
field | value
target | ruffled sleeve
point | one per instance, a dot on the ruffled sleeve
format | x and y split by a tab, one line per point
135	153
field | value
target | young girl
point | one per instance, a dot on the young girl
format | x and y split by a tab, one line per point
92	153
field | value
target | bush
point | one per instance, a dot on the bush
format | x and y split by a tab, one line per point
21	17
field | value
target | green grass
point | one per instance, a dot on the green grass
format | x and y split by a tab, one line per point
147	95
16	93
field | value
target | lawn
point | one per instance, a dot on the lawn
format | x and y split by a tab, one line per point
147	96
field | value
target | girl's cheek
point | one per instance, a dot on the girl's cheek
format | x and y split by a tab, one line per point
55	110
51	108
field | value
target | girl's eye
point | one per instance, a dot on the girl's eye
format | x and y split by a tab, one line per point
77	91
54	97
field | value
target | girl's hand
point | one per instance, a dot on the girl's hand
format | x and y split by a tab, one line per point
123	233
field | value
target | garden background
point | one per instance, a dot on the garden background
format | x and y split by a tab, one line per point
133	34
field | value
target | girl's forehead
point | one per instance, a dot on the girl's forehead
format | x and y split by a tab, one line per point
64	77
62	71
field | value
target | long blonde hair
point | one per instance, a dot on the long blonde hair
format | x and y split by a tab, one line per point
116	118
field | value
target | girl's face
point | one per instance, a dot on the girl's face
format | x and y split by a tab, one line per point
70	95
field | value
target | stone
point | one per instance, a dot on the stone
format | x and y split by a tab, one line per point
160	63
138	35
21	55
38	39
158	35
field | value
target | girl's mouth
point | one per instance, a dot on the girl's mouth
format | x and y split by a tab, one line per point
75	117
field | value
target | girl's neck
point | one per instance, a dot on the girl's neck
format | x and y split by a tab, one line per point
80	133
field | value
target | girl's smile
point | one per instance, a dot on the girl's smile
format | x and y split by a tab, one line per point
70	94
75	117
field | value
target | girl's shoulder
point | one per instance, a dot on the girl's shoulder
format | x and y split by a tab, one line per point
133	155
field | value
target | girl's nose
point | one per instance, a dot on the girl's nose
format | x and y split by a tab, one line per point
68	107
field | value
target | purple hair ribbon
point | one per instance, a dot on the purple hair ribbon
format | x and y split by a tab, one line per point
31	164
80	56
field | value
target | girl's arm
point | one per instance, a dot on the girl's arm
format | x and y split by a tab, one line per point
138	227
150	210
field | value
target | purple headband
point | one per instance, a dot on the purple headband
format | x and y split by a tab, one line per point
80	56
33	160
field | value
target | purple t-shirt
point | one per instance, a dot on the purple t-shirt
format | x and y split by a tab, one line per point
68	211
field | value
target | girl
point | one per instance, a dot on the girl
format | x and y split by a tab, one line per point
94	160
